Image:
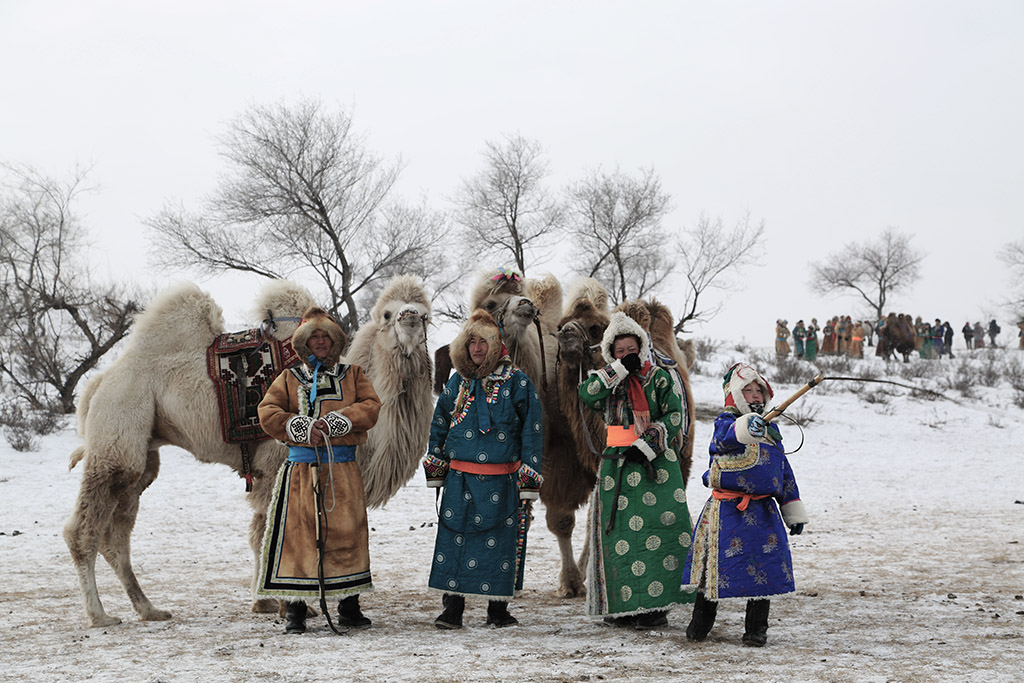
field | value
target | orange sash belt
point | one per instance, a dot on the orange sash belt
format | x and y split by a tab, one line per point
721	494
620	436
484	467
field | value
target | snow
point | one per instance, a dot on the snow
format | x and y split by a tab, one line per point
910	569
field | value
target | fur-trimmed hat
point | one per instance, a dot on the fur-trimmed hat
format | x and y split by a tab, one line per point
316	318
480	324
618	325
737	377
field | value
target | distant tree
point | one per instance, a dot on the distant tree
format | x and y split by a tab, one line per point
304	195
1013	256
55	322
615	225
708	255
873	270
505	210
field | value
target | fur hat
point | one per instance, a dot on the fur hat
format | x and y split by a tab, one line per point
316	318
737	377
480	324
621	324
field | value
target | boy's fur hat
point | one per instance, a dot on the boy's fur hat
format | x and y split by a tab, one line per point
621	324
480	324
737	377
316	318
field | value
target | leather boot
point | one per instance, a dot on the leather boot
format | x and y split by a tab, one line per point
451	617
704	613
651	620
756	623
350	615
498	616
295	617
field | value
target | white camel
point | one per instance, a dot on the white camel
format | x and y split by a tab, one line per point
156	393
391	347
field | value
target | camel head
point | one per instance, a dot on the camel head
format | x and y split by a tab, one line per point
403	312
579	334
280	306
502	293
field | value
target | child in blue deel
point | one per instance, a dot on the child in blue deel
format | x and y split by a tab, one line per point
739	547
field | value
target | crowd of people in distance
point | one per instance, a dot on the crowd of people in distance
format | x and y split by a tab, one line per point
843	336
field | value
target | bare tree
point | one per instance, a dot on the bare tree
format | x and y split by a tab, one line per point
1013	256
505	210
303	194
708	255
873	270
615	225
55	324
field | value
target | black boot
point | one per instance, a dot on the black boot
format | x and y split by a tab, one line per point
756	623
704	613
498	616
651	620
451	617
295	617
350	615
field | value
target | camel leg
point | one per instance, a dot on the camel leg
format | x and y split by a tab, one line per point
116	542
570	579
93	512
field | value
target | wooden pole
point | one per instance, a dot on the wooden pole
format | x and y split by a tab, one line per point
777	410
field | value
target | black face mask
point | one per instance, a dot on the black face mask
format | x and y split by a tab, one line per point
757	408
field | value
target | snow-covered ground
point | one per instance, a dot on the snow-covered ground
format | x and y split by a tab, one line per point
912	568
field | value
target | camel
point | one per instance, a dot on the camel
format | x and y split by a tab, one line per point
391	347
896	336
158	393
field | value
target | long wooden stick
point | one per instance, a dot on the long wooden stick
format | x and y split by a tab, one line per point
777	410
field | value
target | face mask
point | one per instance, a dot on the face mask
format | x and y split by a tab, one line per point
757	408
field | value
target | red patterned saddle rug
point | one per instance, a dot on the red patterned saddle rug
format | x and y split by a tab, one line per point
242	366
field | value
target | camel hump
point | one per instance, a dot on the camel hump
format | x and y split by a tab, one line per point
179	318
662	329
588	289
77	456
637	310
282	298
546	295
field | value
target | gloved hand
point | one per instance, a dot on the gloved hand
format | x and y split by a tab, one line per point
796	529
756	426
632	362
634	454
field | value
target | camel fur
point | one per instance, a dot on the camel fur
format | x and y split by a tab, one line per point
156	393
391	348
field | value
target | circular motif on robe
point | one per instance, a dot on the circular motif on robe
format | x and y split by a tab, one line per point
668	518
633	478
506	565
649	498
623	502
679	495
536	426
636	522
655	589
670	455
676	419
459	539
477	519
491	542
661	476
439	558
481	457
447	513
452	583
522	381
467	495
626	592
684	540
485	587
506	393
638	568
440	420
437	450
495	497
469	433
661	382
501	436
608	484
622	547
664	409
593	388
670	563
653	542
509	521
471	564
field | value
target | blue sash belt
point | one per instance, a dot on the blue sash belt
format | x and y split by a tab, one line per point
307	454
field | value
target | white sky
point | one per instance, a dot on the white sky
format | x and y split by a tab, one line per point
830	121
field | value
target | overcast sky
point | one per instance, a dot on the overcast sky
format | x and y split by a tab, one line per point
828	120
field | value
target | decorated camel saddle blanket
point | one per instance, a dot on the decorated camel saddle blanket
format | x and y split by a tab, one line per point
242	366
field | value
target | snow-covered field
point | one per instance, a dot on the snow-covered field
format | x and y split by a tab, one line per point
912	568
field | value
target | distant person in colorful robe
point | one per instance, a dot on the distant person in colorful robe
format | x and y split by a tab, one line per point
938	339
781	337
828	338
799	336
979	335
639	525
322	410
485	451
811	342
739	546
